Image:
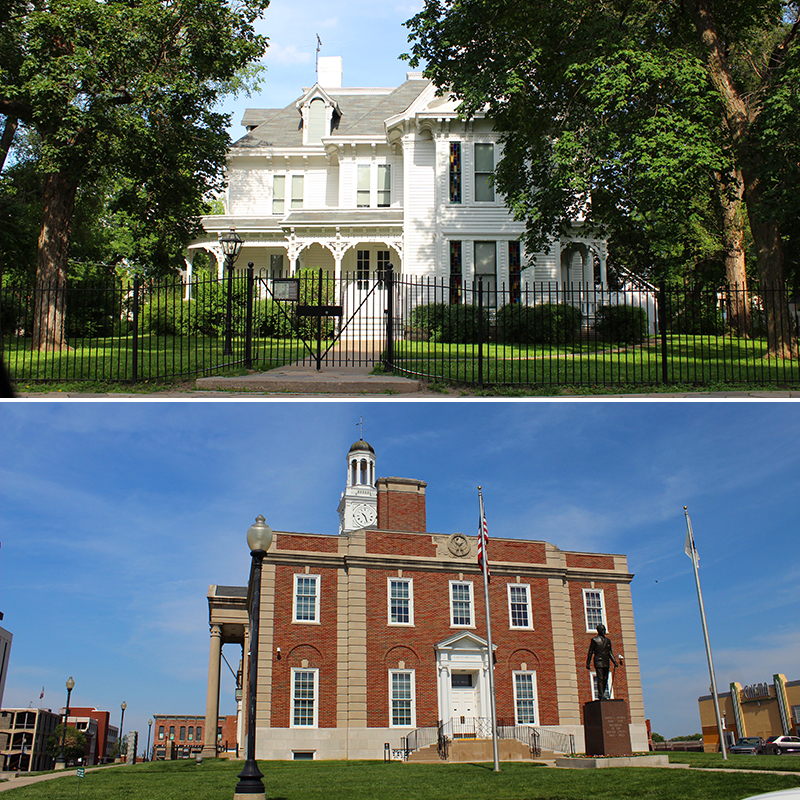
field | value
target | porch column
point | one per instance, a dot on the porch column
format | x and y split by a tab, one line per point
212	696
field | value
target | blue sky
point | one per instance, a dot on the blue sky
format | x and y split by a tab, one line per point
116	517
368	36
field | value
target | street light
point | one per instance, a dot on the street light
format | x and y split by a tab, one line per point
250	786
61	760
149	728
122	717
231	246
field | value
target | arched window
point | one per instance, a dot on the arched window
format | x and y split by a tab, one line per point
316	121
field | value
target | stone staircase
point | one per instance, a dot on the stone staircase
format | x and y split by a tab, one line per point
472	750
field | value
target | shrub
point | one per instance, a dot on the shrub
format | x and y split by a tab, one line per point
549	323
695	314
621	323
452	324
277	320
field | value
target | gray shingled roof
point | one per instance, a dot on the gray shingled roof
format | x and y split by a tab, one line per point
362	115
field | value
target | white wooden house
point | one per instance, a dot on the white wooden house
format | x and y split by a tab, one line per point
348	179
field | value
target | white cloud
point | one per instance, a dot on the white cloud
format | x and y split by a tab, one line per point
286	55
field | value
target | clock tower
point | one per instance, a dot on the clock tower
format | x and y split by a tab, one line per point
358	507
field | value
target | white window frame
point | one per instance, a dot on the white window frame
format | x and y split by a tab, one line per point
410	584
315	700
392	699
316	578
532	673
276	198
593	685
590	626
471	623
528	609
476	172
297	199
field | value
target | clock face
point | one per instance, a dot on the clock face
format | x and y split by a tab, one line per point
458	545
364	515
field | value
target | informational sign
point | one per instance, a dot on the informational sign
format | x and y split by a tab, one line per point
81	772
286	289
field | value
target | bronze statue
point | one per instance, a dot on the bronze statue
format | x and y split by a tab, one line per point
600	648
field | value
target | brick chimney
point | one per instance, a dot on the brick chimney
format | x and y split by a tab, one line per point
401	504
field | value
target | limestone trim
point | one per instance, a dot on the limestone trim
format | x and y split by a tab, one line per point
630	650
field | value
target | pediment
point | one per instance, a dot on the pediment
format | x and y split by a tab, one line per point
316	92
463	640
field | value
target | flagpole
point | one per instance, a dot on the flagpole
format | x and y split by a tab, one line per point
692	553
485	570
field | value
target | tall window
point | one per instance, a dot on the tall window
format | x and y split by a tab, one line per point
401	601
384	185
362	191
514	272
172	733
525	698
362	268
484	167
304	698
461	604
383	266
519	605
278	194
160	731
594	608
276	265
455	273
297	191
316	121
306	598
182	734
191	733
486	271
401	689
455	172
199	733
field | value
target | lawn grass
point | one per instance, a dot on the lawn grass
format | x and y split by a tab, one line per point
787	763
368	780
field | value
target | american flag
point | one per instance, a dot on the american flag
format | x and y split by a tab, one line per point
483	543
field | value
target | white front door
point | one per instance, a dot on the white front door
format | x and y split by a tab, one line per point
463	702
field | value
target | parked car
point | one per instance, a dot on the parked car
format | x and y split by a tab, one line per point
778	745
748	745
781	794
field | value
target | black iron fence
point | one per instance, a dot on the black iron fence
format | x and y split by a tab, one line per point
484	334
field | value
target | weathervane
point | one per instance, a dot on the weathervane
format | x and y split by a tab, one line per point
360	424
319	45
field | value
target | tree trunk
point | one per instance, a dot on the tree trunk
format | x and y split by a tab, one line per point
731	196
58	193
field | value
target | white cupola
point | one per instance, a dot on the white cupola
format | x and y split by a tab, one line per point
358	507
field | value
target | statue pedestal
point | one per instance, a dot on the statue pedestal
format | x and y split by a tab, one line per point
605	728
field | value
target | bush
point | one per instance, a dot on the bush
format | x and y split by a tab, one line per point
549	323
277	320
621	323
695	314
452	324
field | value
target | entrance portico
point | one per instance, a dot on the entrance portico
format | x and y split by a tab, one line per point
462	668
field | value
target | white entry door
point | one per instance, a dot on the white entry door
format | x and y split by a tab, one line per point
464	703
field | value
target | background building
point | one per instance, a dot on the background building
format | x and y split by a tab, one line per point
176	737
23	738
5	655
758	709
371	633
102	737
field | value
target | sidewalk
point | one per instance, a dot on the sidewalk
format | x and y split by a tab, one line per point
16	780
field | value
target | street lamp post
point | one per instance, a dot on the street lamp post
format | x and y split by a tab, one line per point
231	246
250	786
61	761
121	729
149	728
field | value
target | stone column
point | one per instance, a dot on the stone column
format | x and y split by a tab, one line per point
212	697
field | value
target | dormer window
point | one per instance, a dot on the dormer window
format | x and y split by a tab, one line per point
316	120
319	112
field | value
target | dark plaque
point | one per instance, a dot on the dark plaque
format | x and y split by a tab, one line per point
319	311
286	289
605	728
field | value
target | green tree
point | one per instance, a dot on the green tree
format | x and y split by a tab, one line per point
74	743
122	94
672	117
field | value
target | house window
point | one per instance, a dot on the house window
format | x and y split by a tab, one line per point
484	167
362	269
486	271
191	733
401	688
383	266
384	185
461	604
519	605
172	733
455	273
455	172
161	732
594	609
316	121
525	698
182	735
278	194
306	598
362	192
276	265
514	272
304	698
199	733
401	601
595	691
297	191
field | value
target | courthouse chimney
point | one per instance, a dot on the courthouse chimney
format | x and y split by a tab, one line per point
401	504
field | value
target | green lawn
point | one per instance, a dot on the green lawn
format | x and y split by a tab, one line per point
369	780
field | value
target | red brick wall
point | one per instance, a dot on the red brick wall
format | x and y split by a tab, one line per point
299	641
297	541
401	511
517	550
380	543
587	561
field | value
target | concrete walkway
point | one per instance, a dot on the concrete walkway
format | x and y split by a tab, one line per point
16	780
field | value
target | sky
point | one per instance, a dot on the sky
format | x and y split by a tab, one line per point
115	517
369	37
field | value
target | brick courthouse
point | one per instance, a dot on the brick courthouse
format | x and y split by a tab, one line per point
378	630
